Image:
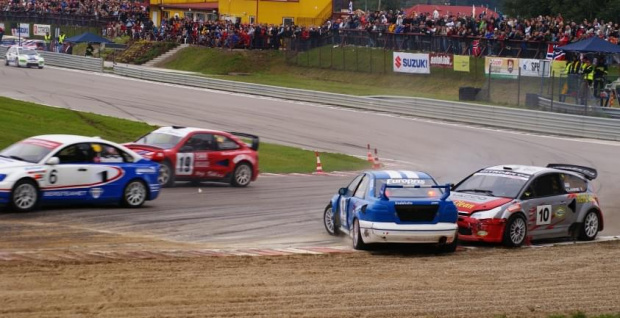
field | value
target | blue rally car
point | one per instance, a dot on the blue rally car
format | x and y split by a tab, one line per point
394	207
74	169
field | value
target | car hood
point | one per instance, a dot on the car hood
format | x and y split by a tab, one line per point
7	163
469	202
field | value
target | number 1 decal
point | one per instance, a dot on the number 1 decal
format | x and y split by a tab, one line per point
185	164
543	214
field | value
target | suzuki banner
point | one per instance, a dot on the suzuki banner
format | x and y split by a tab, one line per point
41	29
441	60
411	63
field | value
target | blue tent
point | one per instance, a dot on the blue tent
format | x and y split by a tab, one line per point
591	45
87	37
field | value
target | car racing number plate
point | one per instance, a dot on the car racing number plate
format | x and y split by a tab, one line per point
543	214
185	164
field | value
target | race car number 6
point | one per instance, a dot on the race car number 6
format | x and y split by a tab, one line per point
543	214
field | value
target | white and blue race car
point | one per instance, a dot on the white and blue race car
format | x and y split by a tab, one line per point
74	169
23	57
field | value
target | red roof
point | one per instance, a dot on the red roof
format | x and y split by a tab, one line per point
450	10
200	6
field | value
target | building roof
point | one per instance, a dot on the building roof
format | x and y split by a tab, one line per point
198	6
450	10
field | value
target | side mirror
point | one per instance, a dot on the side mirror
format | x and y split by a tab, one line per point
52	161
343	191
186	149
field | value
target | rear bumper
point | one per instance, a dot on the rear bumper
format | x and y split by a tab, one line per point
384	232
477	230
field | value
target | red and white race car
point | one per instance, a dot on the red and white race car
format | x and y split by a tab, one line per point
195	154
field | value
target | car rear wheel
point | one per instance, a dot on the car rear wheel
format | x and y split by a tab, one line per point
24	196
134	194
242	175
329	220
449	247
6	62
589	227
515	231
358	241
166	175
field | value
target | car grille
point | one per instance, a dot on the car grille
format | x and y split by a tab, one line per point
464	231
416	213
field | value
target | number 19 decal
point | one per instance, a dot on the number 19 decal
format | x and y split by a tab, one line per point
543	214
185	164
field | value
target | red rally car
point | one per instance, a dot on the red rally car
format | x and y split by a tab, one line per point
194	154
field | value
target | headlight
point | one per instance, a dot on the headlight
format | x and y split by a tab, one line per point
488	214
2	176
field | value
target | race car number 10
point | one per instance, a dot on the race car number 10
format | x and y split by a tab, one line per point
543	214
185	164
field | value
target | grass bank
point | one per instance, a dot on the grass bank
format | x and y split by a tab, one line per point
23	119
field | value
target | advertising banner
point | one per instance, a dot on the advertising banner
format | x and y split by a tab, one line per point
23	31
535	68
442	60
41	29
461	63
411	63
501	67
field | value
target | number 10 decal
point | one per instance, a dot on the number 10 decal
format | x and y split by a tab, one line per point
185	164
543	214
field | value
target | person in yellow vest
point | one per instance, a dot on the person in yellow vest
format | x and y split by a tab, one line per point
61	42
568	71
48	39
587	73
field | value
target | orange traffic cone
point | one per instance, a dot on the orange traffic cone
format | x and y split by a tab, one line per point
369	155
375	163
319	166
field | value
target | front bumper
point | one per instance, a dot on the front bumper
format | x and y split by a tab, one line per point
386	232
481	230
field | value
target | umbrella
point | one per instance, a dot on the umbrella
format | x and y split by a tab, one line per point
88	37
591	45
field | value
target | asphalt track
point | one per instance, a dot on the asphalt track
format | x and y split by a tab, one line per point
284	210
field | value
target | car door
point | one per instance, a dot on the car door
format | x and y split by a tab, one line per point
545	200
71	178
358	199
577	196
343	202
109	166
193	155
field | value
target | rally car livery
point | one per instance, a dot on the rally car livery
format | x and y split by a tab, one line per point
393	207
23	57
194	154
74	169
510	204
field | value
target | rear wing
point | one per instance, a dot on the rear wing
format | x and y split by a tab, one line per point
445	195
255	140
588	173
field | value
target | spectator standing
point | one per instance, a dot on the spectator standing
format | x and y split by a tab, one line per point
1	33
48	40
89	50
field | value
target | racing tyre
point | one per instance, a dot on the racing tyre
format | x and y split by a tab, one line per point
24	196
166	175
6	62
242	175
40	67
134	194
515	231
329	220
17	62
589	226
449	247
358	241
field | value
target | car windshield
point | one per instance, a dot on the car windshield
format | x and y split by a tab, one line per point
26	151
161	140
28	52
492	183
407	192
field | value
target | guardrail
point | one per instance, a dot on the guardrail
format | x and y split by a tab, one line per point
66	60
494	116
545	104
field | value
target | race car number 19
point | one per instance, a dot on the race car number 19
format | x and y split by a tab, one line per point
185	164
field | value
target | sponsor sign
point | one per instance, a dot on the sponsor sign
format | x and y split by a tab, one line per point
535	68
41	29
442	60
2	26
23	30
411	63
461	63
501	67
406	181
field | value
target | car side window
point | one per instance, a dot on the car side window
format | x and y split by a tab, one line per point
361	190
548	185
573	184
105	153
353	185
225	143
200	142
77	153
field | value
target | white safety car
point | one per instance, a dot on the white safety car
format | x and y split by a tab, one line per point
23	57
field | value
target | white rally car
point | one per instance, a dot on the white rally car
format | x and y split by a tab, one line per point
23	57
74	169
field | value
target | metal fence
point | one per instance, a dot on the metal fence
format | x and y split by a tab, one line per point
55	19
66	60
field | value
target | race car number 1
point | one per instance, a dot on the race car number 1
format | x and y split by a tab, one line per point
185	164
543	214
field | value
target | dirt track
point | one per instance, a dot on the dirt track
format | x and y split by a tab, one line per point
471	283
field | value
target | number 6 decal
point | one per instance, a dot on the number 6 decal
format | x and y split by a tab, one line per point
543	214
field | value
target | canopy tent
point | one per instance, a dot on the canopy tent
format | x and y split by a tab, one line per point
87	37
591	45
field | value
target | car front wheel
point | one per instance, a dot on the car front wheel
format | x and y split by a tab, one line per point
329	220
166	175
134	194
24	196
358	241
515	231
242	175
589	226
449	247
17	62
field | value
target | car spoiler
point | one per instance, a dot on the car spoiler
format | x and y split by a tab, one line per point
588	173
445	195
255	139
